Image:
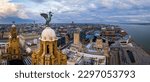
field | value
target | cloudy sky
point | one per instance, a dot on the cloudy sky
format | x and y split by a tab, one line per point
80	11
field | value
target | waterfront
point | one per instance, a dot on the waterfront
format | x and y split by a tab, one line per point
140	34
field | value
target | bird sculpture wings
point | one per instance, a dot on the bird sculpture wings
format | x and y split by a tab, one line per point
47	17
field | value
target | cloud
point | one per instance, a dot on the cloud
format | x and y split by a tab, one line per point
65	6
144	18
93	6
39	1
124	4
78	10
118	4
22	14
130	16
8	9
62	6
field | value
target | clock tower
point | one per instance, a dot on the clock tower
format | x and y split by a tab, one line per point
13	44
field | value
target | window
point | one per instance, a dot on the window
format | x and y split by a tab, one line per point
14	51
53	48
47	49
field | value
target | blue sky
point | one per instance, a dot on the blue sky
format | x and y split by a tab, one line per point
80	11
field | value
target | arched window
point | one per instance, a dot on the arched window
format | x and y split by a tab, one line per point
47	49
14	51
53	48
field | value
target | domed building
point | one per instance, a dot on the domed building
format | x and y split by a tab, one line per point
48	54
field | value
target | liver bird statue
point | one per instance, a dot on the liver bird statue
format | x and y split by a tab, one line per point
47	17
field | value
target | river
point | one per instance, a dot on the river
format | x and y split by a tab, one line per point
140	34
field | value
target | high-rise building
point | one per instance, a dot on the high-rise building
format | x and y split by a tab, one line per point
48	53
13	44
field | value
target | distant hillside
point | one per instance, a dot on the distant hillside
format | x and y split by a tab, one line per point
137	23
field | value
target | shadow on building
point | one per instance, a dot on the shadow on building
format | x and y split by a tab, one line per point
16	62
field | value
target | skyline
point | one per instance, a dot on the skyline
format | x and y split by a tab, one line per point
85	11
